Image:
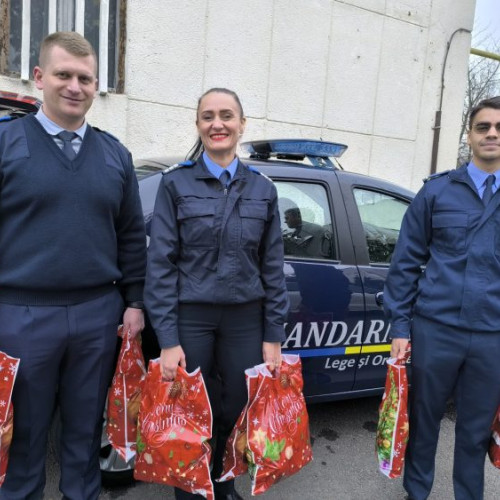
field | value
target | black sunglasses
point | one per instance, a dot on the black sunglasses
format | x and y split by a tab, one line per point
484	127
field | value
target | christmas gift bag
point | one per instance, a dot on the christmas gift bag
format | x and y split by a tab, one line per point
124	397
8	367
278	443
494	449
392	429
234	461
175	424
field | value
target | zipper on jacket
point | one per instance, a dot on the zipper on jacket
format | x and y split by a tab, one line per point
223	214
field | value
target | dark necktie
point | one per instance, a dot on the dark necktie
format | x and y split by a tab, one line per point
225	178
67	148
488	190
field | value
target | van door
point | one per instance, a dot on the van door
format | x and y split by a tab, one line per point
380	215
326	295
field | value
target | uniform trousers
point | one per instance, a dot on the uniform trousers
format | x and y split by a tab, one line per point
67	355
450	361
223	340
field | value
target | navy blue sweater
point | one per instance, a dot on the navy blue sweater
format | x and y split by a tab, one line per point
69	230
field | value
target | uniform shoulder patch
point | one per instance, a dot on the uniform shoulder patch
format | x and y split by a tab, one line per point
254	170
436	176
106	132
187	163
258	172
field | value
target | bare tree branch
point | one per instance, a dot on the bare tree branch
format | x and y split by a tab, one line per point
483	82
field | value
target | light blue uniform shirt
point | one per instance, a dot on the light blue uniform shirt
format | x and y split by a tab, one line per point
53	129
216	170
479	177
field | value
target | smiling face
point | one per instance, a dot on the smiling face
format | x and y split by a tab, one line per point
484	139
69	84
220	124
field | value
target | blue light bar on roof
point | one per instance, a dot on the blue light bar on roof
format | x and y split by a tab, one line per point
306	147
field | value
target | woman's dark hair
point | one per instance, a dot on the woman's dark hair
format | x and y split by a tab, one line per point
493	102
196	151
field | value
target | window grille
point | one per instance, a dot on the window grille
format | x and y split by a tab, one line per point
24	24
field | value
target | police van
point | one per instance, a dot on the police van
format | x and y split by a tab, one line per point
339	231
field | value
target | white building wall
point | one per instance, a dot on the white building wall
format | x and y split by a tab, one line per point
364	72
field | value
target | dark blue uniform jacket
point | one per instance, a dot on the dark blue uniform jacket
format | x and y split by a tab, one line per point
214	245
448	230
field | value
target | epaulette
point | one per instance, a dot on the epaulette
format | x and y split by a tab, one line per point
187	163
435	176
106	132
258	172
254	170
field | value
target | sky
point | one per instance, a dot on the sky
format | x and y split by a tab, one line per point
487	22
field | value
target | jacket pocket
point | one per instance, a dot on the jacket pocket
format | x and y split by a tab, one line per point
449	232
253	215
196	222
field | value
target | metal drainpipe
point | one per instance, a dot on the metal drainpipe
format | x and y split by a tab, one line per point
484	53
437	119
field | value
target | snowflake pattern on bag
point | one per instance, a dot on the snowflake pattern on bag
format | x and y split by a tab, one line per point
175	424
234	463
124	397
8	373
278	439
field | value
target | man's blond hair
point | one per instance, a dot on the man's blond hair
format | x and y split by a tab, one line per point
70	41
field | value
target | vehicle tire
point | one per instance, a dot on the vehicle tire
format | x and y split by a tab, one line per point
115	471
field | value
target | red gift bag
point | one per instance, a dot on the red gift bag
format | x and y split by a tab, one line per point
124	397
234	462
8	367
393	428
494	449
175	424
278	440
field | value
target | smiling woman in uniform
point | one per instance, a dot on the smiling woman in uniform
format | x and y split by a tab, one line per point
215	288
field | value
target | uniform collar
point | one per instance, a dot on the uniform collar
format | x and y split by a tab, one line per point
53	128
202	171
479	176
216	170
461	175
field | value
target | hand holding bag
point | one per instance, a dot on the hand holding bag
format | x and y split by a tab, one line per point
393	426
277	426
124	397
175	424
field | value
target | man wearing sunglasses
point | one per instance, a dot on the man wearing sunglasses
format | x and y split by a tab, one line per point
443	293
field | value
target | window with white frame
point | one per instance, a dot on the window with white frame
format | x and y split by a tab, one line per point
24	24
